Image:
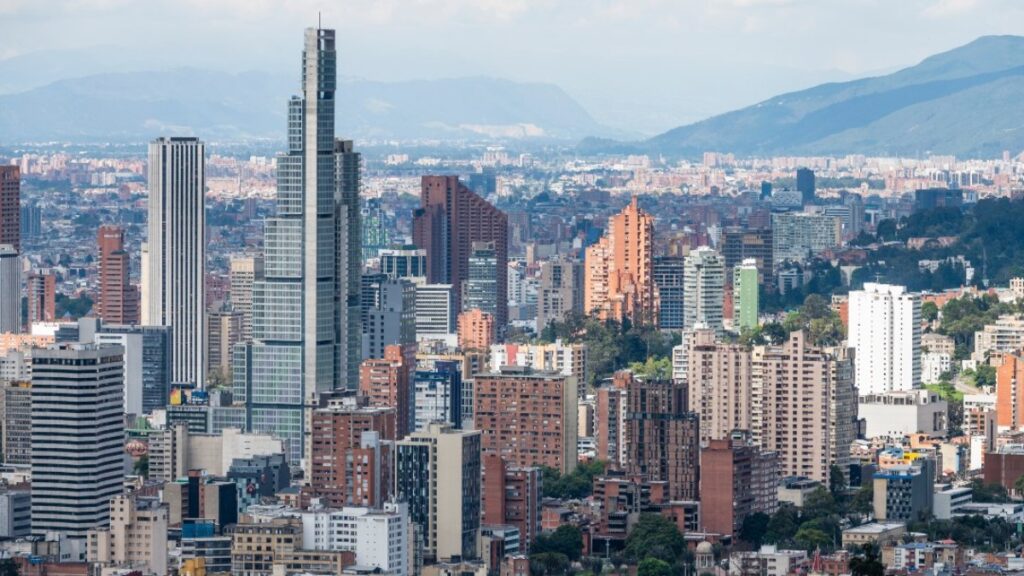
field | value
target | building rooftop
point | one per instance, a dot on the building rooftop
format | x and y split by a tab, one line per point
875	528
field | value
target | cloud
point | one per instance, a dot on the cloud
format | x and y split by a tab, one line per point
947	8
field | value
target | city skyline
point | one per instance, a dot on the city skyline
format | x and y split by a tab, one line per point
342	355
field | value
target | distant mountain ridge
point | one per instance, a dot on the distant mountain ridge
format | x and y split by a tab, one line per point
966	101
136	106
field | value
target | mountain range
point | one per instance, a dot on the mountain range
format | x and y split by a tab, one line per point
966	102
136	106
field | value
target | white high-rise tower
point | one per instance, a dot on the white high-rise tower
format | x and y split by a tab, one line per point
703	289
174	271
885	331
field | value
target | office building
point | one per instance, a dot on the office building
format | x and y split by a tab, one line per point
41	291
117	300
745	295
380	539
223	332
31	221
662	436
512	497
10	289
351	455
704	290
484	183
438	475
304	341
198	496
435	311
147	361
175	450
10	206
718	381
737	479
438	395
480	291
885	331
404	262
212	552
903	413
384	540
809	393
476	330
15	514
559	291
16	428
255	545
450	219
390	315
527	417
174	270
245	272
619	275
739	244
805	185
905	493
931	198
348	235
77	437
668	279
136	538
798	236
259	477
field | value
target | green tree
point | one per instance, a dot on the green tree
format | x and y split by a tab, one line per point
754	528
886	230
549	564
572	486
782	526
654	567
654	536
8	567
929	311
566	540
985	375
863	500
141	466
819	503
812	538
1018	485
836	482
653	368
867	565
993	493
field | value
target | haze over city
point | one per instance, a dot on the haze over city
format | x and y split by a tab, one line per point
640	66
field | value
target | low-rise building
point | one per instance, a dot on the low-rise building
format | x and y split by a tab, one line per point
880	533
769	560
948	500
901	413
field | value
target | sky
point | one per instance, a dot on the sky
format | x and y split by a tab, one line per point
638	65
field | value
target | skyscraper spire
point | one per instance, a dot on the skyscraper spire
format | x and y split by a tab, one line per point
306	308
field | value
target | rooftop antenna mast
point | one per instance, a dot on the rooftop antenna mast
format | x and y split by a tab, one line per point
319	20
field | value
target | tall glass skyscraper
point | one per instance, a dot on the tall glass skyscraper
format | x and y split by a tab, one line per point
305	307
